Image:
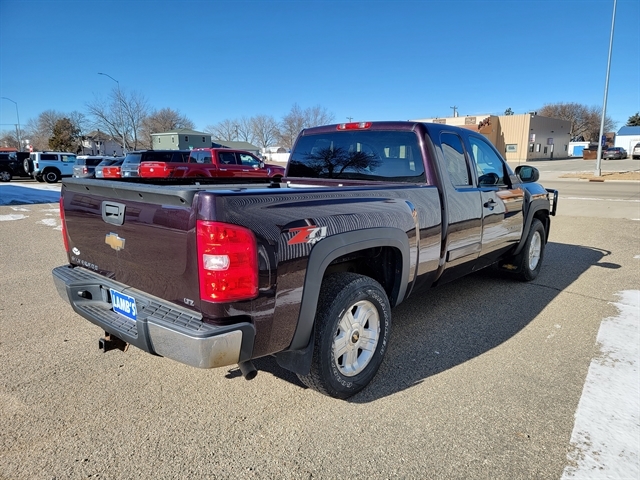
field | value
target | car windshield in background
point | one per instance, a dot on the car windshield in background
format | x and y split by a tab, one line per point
133	158
358	155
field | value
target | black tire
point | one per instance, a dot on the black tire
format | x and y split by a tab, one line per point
28	166
39	178
529	260
353	315
5	176
51	176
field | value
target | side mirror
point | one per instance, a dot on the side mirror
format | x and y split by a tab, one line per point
261	163
527	173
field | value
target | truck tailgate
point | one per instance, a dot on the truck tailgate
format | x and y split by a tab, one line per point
135	234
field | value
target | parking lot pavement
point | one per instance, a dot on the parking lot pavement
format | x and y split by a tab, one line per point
482	379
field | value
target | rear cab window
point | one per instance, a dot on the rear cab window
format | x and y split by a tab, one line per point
359	155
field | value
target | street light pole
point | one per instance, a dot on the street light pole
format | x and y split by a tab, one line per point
124	144
18	125
598	171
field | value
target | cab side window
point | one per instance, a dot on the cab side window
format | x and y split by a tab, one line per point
205	157
454	159
490	167
248	160
227	158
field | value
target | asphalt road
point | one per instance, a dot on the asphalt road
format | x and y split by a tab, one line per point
481	380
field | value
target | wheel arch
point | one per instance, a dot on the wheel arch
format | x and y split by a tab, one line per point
393	243
538	209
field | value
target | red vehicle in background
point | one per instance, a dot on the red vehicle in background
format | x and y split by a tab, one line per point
113	170
222	163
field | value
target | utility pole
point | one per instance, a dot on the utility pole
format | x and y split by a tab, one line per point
455	111
598	171
18	124
350	119
124	142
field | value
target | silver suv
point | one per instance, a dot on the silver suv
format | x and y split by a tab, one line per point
635	153
85	166
50	167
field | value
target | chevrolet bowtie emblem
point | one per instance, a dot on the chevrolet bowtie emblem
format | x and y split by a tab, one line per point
114	241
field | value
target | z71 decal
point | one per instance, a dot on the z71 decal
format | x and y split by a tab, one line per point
311	234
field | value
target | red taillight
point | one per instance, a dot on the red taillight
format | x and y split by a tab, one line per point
85	170
64	227
354	126
227	262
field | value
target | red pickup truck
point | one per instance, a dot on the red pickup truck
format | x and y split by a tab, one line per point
213	163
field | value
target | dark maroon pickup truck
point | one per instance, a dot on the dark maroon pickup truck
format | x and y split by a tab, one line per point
307	269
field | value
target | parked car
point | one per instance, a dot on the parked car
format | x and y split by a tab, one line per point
86	165
113	170
107	161
635	153
50	167
11	165
132	160
615	153
220	163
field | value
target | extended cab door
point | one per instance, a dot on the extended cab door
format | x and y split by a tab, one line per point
463	207
502	202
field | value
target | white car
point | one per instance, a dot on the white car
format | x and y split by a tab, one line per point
50	167
635	153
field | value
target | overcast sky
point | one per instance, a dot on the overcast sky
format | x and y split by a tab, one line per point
365	60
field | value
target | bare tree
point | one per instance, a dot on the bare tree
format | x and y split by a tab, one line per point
40	130
121	115
9	139
244	130
163	120
224	130
297	119
291	125
317	115
585	120
136	109
265	130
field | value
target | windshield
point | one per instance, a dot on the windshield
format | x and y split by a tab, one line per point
133	158
358	155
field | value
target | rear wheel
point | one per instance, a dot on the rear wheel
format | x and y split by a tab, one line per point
51	176
352	327
5	176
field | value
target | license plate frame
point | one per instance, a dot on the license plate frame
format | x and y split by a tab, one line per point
124	305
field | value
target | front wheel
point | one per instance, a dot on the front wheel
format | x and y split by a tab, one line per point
529	260
352	327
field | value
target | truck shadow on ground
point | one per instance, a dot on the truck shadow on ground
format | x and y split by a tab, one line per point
451	324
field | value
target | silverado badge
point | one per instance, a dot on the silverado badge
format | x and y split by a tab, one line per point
114	241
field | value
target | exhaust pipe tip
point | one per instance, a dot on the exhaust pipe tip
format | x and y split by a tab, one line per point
248	370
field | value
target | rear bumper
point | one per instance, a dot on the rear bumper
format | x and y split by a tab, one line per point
161	328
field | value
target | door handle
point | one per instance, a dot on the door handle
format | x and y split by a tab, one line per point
490	204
